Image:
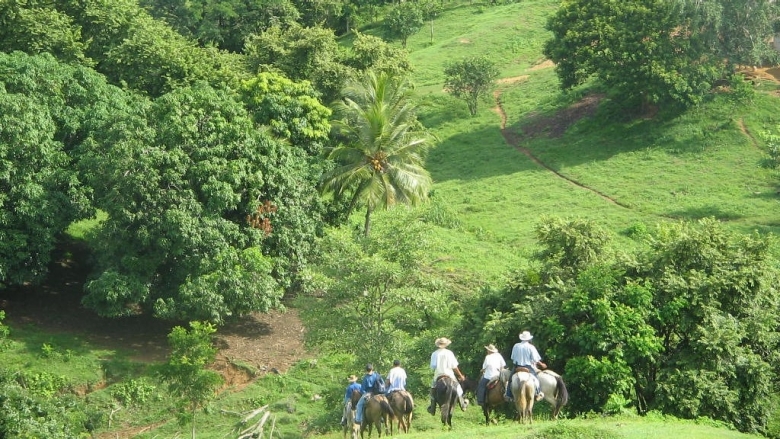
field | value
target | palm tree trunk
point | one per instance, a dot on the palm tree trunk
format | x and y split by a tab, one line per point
367	227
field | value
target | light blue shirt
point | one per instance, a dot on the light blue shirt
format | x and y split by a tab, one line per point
525	354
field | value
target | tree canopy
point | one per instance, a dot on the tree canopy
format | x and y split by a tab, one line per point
657	51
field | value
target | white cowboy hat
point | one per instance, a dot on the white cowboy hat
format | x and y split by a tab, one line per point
352	378
525	336
491	348
442	342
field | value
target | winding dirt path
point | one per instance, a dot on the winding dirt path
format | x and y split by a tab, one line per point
558	123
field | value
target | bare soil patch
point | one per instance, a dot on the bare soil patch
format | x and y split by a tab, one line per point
555	125
252	345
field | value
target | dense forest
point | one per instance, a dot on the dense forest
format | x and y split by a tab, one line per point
218	148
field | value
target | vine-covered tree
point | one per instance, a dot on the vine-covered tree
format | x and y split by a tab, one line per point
380	161
469	79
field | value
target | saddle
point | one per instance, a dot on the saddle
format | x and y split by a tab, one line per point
521	369
493	383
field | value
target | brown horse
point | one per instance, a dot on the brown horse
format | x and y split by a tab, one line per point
376	411
524	389
402	403
494	396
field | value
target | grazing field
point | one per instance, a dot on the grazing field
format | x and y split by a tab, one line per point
532	151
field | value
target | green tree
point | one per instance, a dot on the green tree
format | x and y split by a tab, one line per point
381	158
657	51
301	53
469	79
186	372
374	305
48	108
192	189
370	52
404	20
223	23
36	30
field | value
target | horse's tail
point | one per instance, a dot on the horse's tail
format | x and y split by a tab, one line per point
563	394
408	402
386	407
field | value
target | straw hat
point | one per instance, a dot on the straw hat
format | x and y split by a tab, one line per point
352	379
490	348
442	342
525	336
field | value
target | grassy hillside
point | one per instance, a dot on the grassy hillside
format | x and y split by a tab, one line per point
622	170
491	189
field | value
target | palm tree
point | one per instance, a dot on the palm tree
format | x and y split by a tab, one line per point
381	159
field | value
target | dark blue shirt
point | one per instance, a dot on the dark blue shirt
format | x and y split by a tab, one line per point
368	382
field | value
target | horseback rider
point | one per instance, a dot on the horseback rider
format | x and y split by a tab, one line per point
491	369
525	355
367	388
396	378
352	387
443	362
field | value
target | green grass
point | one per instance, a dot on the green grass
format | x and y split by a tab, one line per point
488	197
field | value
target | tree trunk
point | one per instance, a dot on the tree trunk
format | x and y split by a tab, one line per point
367	227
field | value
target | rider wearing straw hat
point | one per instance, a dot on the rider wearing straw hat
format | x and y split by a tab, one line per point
491	369
524	354
443	362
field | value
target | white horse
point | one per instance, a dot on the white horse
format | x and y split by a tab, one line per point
349	425
523	389
554	390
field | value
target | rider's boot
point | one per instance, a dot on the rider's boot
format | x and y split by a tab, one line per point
432	406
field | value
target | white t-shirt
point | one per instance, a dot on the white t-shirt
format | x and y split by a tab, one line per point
396	379
492	365
442	363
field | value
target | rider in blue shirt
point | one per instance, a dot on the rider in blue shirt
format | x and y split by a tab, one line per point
367	387
352	387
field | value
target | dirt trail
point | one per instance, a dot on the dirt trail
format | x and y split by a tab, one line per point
555	125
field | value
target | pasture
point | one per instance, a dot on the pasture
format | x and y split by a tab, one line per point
530	152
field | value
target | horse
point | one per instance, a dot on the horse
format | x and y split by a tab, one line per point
445	395
523	390
402	403
376	411
349	425
554	390
494	394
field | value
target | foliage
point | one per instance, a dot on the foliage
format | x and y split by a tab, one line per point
469	79
608	39
714	300
224	23
290	109
180	180
46	109
370	52
687	326
381	161
374	291
300	53
404	20
186	373
37	30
